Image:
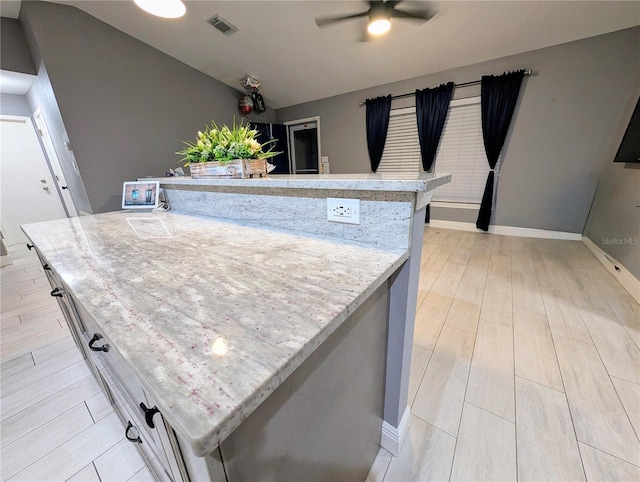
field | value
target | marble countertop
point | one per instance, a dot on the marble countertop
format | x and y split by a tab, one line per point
212	316
359	182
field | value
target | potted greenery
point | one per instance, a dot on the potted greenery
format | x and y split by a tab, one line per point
227	152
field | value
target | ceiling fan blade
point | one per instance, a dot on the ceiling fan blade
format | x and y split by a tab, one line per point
324	21
420	15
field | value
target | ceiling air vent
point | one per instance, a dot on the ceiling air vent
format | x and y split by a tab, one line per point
221	24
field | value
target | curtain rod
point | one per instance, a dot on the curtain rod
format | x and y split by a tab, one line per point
463	84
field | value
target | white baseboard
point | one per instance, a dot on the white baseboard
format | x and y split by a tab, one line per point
624	277
506	230
392	437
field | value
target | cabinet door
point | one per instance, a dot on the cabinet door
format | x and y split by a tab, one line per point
136	430
143	423
170	445
98	346
61	295
56	286
131	402
69	317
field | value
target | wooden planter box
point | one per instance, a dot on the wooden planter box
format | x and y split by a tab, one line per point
240	168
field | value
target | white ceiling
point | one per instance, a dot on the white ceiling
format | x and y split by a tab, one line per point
10	8
279	44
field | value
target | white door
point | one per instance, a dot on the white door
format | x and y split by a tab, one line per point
54	162
27	190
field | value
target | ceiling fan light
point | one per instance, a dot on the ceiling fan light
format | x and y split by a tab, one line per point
163	8
379	26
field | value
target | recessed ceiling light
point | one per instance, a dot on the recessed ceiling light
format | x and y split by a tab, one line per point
163	8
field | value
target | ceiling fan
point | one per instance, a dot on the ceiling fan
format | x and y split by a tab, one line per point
379	13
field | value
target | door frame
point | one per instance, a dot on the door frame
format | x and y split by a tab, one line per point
54	162
292	123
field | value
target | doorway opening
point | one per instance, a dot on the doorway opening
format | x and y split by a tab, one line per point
304	145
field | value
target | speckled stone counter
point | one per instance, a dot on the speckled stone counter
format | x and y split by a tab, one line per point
299	203
392	212
418	182
201	309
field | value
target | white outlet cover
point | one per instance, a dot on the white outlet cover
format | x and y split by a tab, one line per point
342	210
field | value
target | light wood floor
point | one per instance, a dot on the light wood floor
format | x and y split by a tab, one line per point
525	367
55	423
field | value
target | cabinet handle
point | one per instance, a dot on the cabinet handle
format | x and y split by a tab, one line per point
46	267
30	246
131	439
149	413
56	292
96	337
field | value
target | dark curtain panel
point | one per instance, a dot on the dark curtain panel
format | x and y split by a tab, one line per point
278	132
498	97
432	106
377	124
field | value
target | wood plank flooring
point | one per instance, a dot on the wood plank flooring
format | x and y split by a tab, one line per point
55	423
526	365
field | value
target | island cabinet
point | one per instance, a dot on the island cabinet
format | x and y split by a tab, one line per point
235	348
143	422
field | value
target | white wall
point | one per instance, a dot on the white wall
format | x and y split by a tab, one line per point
614	220
14	105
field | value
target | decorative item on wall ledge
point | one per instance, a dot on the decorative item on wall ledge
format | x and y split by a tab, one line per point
223	152
240	168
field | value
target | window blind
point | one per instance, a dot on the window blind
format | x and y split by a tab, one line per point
460	152
401	153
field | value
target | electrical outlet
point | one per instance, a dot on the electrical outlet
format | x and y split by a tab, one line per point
345	211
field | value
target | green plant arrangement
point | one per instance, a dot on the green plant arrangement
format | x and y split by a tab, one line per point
224	144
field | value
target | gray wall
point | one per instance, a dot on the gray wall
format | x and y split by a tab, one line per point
41	95
14	51
14	105
126	106
614	220
560	138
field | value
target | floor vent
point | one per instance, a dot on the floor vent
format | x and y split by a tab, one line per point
221	24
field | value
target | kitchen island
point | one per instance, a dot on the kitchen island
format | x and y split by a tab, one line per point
261	346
